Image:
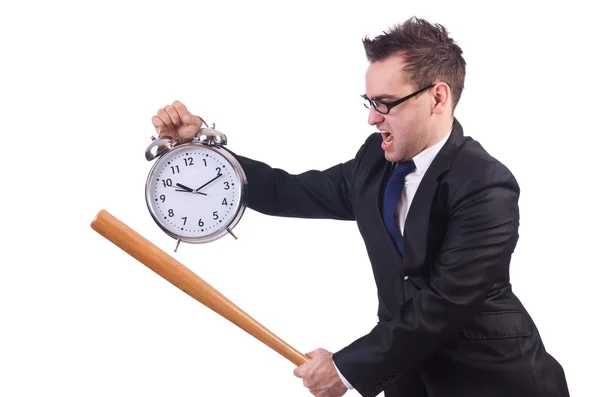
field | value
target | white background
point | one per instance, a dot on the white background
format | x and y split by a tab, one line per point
79	83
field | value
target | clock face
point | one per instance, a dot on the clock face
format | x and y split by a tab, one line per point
194	192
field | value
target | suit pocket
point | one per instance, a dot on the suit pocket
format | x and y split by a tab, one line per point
497	325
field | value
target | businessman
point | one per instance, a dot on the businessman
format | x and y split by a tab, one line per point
439	217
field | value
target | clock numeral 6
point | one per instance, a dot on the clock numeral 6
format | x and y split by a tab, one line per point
200	223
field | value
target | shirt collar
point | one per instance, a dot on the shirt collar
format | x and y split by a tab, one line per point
424	159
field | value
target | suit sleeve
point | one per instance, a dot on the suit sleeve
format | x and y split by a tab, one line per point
326	194
481	236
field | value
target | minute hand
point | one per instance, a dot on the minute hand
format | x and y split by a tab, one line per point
212	180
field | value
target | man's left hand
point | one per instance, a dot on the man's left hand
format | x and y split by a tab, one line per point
320	376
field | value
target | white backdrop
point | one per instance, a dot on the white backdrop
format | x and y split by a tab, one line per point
79	83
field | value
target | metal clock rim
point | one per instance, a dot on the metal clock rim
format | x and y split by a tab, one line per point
229	225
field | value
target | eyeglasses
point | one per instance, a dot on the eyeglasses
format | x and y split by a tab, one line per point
385	107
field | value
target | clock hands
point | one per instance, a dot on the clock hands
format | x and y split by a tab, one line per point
187	189
212	180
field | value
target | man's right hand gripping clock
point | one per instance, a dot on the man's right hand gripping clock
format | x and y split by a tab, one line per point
177	122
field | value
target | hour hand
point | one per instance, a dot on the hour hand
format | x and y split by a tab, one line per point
187	189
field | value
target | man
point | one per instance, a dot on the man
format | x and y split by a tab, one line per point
439	217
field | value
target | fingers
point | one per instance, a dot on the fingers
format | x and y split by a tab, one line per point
159	125
176	121
185	115
173	115
165	118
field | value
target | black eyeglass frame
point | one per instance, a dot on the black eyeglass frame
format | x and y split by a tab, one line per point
390	105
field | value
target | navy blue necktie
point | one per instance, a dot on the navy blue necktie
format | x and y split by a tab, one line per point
391	196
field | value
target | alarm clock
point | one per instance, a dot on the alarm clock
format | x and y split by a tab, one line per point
195	192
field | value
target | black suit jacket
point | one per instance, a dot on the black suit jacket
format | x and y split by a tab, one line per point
449	324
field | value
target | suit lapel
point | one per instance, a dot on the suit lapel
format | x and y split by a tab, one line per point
390	258
417	220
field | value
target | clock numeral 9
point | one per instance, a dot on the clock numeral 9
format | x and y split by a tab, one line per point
167	182
171	213
200	223
162	198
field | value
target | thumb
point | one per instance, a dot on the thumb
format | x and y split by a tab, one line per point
190	119
299	371
313	353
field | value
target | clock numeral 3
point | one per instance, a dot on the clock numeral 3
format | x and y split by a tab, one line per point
226	185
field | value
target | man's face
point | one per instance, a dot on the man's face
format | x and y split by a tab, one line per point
405	128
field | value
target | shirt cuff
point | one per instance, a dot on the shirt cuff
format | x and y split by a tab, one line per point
346	383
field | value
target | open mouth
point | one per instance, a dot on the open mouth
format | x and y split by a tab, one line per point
386	140
387	137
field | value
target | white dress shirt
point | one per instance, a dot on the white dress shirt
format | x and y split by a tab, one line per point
422	162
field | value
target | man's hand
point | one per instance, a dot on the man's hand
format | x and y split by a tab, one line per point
177	122
320	376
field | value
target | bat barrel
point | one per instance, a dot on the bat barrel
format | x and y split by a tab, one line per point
183	278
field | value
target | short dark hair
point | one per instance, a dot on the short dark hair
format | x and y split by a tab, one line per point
430	54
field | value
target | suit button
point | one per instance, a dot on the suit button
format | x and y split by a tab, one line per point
406	278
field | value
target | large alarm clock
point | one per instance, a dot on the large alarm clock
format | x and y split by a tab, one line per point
195	192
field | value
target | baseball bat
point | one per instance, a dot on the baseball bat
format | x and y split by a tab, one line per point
183	278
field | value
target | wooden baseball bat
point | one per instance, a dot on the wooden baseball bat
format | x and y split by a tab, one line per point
183	278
